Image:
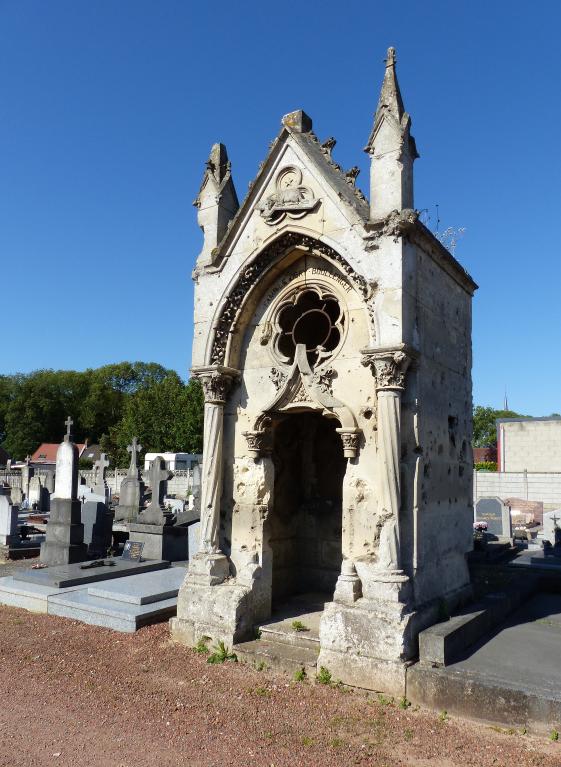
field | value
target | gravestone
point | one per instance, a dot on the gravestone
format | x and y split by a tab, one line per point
8	518
100	487
551	520
34	495
27	473
155	513
64	542
131	493
17	495
497	516
98	526
155	525
194	536
49	481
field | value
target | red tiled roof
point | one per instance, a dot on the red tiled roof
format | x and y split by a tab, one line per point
46	453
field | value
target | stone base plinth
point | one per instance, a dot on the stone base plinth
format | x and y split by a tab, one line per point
126	513
161	541
367	644
64	542
220	613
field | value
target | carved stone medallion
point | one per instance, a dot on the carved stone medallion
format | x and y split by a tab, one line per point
290	197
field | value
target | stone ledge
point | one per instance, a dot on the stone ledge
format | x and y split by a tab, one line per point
444	642
476	697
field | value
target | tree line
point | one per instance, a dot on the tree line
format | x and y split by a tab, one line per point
109	405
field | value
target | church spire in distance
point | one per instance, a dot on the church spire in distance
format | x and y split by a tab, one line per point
392	149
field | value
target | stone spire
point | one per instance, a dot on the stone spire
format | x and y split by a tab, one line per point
217	201
392	149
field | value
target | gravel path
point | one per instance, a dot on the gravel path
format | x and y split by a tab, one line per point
76	695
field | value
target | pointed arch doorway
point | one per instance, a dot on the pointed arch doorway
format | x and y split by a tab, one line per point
305	528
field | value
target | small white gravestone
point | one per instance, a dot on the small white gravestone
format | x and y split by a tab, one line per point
551	520
66	478
34	496
8	518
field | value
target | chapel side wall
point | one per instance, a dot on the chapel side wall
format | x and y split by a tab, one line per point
443	387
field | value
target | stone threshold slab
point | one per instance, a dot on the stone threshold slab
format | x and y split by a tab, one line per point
142	589
119	616
64	576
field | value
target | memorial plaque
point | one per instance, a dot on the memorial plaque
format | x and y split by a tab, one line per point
133	551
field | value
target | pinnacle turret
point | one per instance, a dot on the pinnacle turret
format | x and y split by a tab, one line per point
392	149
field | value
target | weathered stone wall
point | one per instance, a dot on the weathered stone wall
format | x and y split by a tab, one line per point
181	484
439	387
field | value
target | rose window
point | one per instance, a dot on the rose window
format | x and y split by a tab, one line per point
312	319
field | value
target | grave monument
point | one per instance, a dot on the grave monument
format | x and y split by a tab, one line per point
64	543
332	338
496	514
131	494
155	525
8	518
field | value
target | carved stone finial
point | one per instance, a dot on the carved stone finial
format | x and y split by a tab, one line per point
351	175
328	146
388	367
391	58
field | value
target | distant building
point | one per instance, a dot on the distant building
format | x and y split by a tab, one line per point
173	461
529	444
91	453
482	454
45	455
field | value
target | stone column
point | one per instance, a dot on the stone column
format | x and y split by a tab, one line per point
210	562
389	367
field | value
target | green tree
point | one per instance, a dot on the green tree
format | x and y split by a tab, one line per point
33	407
166	417
484	424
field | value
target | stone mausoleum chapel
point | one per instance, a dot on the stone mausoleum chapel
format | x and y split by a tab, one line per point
333	342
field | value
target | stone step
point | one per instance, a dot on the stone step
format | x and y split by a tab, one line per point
119	616
285	634
279	656
141	589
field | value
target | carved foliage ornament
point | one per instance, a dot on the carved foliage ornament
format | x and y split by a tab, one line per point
252	273
215	387
290	198
389	368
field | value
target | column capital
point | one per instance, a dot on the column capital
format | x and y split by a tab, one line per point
389	365
216	381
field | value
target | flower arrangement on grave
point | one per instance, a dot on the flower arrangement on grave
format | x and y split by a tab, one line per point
478	529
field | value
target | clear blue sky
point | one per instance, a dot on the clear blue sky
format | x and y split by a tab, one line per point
108	110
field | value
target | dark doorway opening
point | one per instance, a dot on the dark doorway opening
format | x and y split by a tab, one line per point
306	525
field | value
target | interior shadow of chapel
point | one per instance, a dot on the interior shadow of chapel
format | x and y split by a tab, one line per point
306	524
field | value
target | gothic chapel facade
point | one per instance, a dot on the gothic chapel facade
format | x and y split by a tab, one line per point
333	342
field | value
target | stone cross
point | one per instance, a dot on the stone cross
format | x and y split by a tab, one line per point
158	474
555	519
100	465
134	449
69	422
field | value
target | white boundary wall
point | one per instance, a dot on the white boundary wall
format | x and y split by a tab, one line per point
530	486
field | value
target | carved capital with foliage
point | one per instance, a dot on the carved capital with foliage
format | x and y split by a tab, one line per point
389	367
216	381
258	443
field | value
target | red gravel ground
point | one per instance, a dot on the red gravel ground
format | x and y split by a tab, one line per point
77	695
